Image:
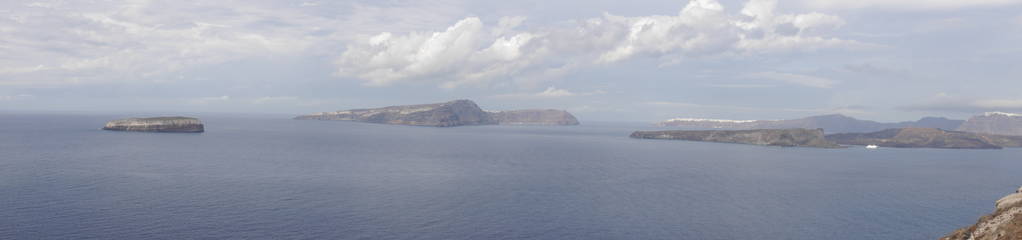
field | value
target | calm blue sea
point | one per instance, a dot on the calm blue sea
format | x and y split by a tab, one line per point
258	177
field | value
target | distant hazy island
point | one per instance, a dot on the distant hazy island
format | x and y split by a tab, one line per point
157	124
999	123
992	130
898	138
834	123
448	114
764	137
1004	224
994	123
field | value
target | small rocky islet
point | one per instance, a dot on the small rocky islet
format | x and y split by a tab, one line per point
157	124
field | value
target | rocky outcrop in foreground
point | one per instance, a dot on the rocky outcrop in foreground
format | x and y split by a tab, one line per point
926	138
157	124
994	123
448	114
1004	224
764	137
534	117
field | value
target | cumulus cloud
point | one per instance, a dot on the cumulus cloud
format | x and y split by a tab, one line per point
61	42
386	57
78	43
946	103
470	52
906	4
85	42
797	79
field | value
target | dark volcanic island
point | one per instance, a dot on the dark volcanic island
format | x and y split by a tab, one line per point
157	124
765	137
448	114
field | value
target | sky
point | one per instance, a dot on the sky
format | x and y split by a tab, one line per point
602	60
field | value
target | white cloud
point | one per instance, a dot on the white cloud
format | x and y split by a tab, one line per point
907	4
554	92
385	58
209	100
998	103
596	109
849	110
81	42
674	104
797	79
947	103
738	85
154	40
16	97
72	42
48	5
275	100
550	92
471	53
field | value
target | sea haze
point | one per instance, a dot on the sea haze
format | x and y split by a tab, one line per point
267	178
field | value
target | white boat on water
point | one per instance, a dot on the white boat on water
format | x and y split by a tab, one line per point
871	146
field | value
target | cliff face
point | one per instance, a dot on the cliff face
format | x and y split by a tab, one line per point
834	123
157	124
923	138
448	114
1004	224
994	123
765	137
534	117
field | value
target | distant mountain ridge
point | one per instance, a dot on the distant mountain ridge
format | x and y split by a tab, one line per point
994	123
833	123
